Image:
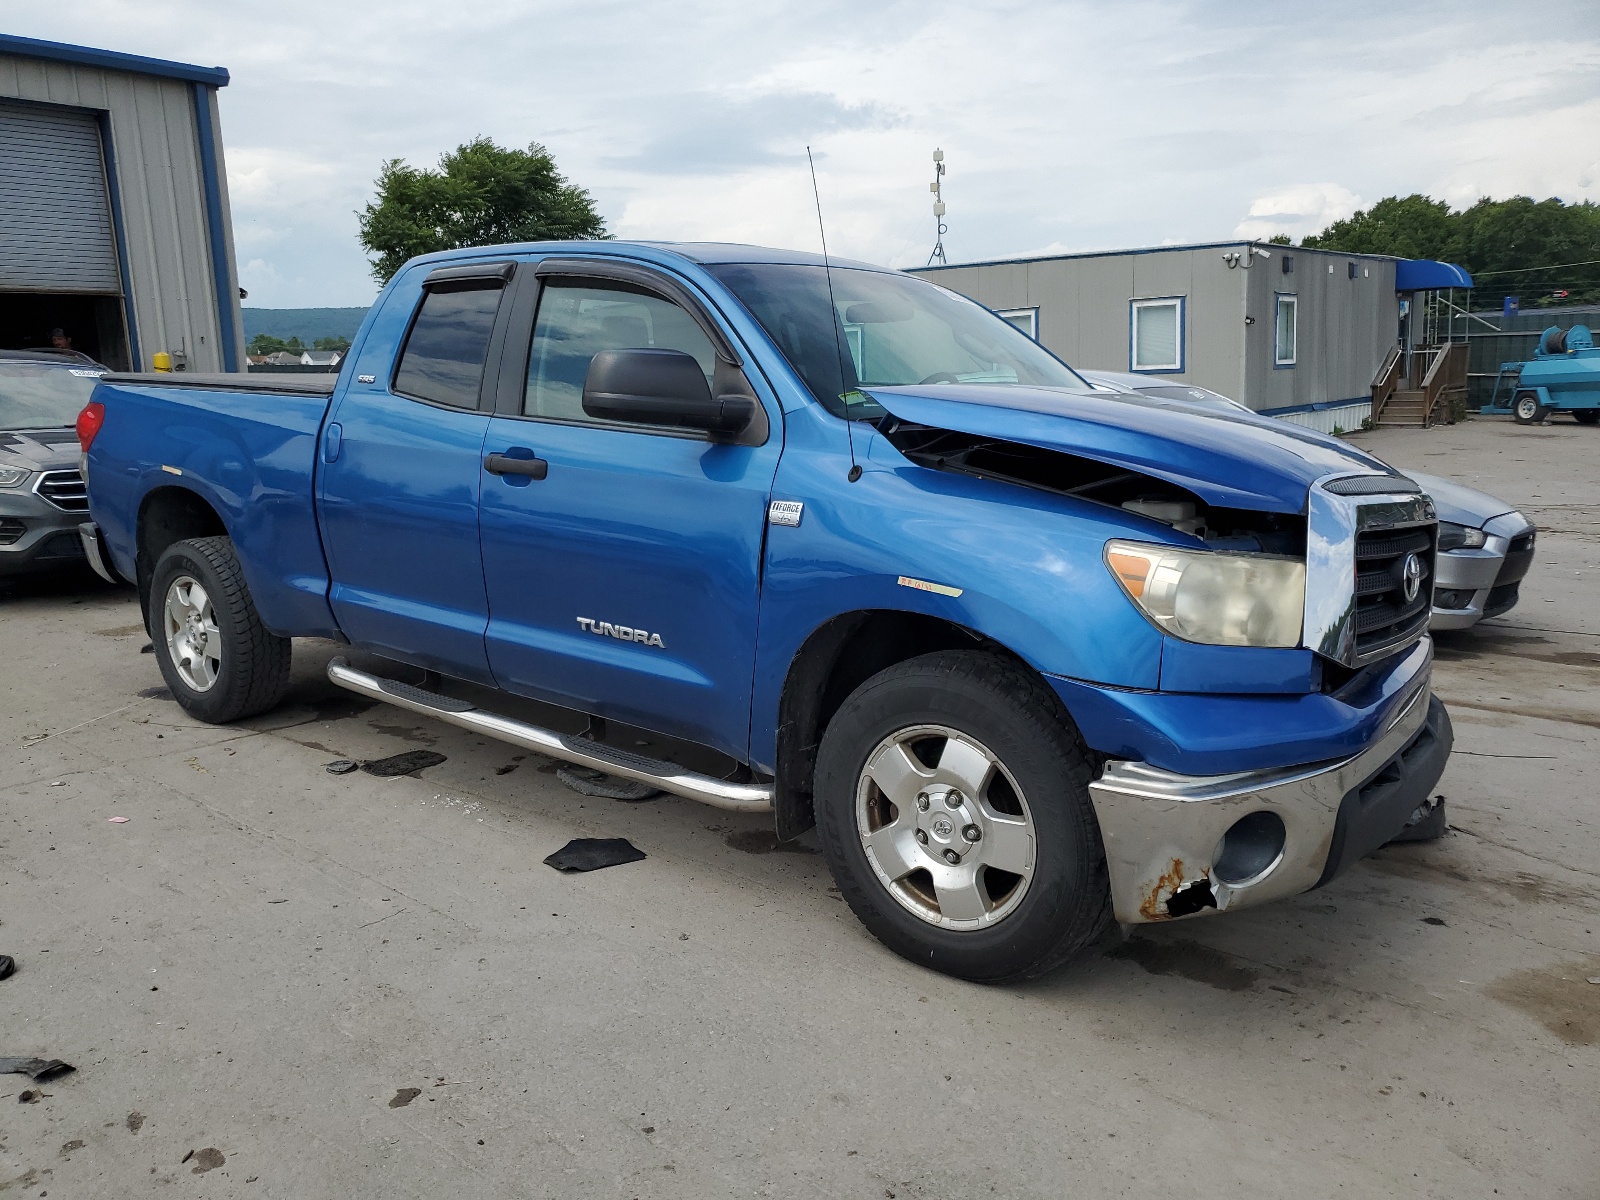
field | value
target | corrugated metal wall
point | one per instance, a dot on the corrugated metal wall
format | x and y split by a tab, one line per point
1346	325
165	240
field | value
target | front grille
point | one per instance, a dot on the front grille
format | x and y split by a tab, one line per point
64	489
1384	618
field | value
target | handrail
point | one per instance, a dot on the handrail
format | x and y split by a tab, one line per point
1386	381
1440	378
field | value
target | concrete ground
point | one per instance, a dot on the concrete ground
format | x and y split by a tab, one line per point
343	986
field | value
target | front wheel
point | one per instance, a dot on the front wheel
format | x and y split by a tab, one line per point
952	796
219	661
1527	410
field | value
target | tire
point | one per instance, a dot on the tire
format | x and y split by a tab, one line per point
1586	416
1526	409
1424	827
997	731
238	668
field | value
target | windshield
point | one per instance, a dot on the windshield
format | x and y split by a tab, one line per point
43	396
895	330
1194	395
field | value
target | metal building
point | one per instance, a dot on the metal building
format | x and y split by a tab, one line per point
1285	330
114	220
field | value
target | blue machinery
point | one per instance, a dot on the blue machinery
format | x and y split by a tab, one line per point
1562	377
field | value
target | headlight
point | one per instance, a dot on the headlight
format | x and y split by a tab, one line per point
1460	537
1216	599
11	476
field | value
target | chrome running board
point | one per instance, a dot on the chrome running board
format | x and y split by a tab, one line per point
669	777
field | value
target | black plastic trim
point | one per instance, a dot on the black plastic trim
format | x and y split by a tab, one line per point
469	277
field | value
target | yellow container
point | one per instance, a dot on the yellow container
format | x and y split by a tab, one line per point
161	361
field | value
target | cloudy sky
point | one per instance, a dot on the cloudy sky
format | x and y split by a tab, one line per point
1066	126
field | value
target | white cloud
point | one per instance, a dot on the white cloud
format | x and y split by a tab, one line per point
1074	124
1301	209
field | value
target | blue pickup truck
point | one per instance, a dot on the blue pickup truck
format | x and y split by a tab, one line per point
1030	657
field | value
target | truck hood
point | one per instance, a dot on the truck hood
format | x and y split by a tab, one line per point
39	449
1230	460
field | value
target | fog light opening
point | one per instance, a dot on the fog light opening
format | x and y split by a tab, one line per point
1250	849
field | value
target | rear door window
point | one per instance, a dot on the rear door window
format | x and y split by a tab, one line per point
444	354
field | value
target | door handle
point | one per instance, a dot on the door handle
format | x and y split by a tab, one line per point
504	464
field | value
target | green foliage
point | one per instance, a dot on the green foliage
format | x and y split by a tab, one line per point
265	343
1280	239
341	344
1497	241
481	195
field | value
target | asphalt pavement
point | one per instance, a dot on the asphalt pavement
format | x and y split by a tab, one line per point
277	982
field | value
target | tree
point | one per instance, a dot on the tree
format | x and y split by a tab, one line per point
481	195
265	343
1407	227
1534	249
340	344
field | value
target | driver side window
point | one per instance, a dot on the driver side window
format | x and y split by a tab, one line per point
578	318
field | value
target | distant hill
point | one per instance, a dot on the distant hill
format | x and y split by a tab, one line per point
307	324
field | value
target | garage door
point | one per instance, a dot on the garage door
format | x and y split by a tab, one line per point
55	220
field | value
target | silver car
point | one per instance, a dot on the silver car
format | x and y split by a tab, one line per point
42	497
1485	545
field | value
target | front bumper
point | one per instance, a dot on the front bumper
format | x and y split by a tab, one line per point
1471	585
1178	845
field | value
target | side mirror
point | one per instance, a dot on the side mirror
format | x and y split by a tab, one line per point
661	387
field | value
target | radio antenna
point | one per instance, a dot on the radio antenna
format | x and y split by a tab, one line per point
833	315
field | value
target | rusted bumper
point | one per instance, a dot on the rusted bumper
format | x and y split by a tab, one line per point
1183	845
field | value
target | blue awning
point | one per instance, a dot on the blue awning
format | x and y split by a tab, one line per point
1423	275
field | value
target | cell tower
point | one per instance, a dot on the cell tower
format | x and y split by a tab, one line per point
938	209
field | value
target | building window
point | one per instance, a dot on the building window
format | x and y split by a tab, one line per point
1285	329
1156	336
1025	319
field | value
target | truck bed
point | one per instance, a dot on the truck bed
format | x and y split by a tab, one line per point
245	446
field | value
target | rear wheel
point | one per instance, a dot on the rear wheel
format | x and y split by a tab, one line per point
953	808
1526	409
1587	416
218	660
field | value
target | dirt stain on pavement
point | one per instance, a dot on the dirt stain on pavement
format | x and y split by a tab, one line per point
1190	960
415	734
404	1097
160	692
135	1121
1559	997
208	1159
763	841
120	631
1523	887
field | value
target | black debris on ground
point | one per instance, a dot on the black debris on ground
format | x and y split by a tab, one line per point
341	766
403	764
39	1069
1432	920
591	854
135	1121
586	781
205	1160
8	966
147	648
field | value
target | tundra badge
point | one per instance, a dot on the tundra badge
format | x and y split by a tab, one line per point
622	632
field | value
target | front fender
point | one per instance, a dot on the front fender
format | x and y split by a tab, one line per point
1021	567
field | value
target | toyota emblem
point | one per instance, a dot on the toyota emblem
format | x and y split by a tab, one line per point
1411	575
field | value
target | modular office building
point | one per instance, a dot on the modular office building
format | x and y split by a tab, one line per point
114	221
1287	331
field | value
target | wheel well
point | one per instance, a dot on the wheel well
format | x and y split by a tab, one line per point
837	658
168	515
